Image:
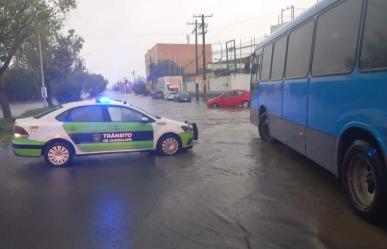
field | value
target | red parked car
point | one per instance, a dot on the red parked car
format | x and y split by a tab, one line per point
231	98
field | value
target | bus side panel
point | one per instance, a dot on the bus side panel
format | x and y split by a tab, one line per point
366	103
271	98
328	99
336	101
295	112
321	148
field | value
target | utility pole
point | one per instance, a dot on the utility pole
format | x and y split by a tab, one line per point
43	89
134	75
203	33
196	56
204	59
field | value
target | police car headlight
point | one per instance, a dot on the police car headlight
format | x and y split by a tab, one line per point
186	128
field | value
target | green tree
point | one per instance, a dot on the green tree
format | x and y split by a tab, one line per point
64	70
21	84
19	19
62	61
94	84
76	82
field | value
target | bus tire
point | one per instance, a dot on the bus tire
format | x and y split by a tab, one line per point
263	128
365	181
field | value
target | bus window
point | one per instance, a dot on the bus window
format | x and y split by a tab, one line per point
266	63
277	69
336	39
374	49
255	72
299	50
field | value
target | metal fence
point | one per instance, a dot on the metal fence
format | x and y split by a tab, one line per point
232	57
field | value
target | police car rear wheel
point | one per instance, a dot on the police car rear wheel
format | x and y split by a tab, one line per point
169	145
58	154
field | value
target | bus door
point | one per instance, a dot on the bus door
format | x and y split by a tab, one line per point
296	85
274	90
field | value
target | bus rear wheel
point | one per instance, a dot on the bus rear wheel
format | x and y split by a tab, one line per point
365	181
263	128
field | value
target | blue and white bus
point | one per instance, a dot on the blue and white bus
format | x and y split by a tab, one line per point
319	85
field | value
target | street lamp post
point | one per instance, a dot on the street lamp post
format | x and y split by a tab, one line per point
43	89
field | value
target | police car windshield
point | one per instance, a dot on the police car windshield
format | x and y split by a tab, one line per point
47	111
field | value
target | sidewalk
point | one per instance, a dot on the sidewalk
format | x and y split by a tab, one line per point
18	108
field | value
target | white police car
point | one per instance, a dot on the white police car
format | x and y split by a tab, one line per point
96	127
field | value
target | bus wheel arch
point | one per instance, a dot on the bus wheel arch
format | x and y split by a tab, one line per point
262	110
264	127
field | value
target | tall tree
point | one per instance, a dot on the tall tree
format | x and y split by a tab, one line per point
19	19
62	58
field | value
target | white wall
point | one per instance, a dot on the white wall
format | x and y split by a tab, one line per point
239	81
219	84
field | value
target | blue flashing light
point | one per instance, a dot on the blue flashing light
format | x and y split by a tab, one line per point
103	100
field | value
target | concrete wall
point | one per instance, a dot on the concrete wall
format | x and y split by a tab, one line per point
239	81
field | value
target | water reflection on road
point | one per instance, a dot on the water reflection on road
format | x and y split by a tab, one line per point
231	191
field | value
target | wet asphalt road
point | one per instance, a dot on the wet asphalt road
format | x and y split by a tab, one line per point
231	191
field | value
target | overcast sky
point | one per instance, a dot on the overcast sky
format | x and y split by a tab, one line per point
118	33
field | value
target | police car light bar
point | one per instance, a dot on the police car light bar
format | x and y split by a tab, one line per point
103	100
107	100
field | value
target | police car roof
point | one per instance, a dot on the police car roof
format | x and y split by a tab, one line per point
92	102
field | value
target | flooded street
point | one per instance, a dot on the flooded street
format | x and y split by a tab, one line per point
230	191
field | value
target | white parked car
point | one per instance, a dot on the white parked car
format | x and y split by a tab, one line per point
171	96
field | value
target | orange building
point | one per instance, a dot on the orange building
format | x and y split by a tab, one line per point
182	54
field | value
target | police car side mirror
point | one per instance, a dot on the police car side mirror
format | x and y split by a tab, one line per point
144	120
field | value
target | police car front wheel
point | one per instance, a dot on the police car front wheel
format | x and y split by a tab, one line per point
169	145
58	154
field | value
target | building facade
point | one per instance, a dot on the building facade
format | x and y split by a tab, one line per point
183	55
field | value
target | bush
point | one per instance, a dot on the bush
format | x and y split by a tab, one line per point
21	84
